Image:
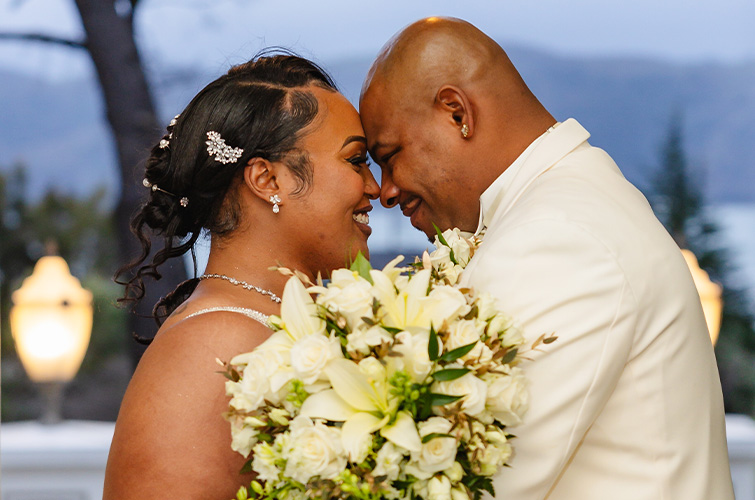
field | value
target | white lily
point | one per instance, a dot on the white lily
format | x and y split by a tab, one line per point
298	319
403	308
411	308
361	401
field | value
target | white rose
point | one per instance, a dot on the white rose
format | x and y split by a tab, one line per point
414	357
486	306
420	488
443	303
388	461
348	294
452	273
314	450
243	438
439	488
250	392
508	332
441	258
472	388
362	339
508	397
455	472
492	459
465	332
310	354
459	245
459	492
268	362
495	436
438	453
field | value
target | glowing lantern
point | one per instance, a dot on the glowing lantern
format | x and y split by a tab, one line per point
710	295
51	322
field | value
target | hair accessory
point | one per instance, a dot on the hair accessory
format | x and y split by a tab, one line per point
164	143
184	201
223	153
465	130
275	199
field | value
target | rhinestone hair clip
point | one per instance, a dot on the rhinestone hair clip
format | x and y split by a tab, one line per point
184	201
223	153
164	143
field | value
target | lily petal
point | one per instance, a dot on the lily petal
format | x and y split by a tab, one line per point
328	405
351	384
403	432
279	340
298	311
356	430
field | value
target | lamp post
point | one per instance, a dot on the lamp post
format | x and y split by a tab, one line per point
710	295
51	322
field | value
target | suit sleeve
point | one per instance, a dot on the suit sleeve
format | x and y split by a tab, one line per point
555	277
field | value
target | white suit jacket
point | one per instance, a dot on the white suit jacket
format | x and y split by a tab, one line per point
627	403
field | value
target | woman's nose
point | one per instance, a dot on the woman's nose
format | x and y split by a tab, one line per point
371	188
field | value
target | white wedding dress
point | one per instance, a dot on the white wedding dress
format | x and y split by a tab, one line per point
250	313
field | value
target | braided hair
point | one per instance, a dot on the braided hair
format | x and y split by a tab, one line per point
261	107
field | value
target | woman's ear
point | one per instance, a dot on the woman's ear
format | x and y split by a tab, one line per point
453	101
261	178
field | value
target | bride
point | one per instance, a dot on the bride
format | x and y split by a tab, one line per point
271	161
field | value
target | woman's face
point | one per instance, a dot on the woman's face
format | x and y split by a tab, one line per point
330	219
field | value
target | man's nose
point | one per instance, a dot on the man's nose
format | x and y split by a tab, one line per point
389	193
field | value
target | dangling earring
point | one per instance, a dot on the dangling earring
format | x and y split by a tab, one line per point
275	199
464	130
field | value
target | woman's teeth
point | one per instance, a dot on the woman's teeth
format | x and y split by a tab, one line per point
363	218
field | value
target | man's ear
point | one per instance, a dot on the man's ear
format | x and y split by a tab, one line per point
453	101
260	177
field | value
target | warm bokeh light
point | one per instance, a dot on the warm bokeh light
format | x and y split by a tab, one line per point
710	295
51	322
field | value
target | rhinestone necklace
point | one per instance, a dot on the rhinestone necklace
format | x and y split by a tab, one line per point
242	284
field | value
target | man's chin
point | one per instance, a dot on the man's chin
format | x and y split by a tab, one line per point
429	231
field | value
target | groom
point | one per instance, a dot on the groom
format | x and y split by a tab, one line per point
626	404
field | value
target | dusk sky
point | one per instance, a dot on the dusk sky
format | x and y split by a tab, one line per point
211	35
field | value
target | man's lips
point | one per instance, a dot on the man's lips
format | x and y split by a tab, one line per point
408	208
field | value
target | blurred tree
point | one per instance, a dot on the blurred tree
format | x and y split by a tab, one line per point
109	29
679	204
14	259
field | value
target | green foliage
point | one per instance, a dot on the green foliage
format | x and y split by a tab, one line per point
679	204
362	266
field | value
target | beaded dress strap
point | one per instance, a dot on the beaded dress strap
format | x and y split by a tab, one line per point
250	313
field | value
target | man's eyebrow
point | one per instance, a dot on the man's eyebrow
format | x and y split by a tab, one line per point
354	138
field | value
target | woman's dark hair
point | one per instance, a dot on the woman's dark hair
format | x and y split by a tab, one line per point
262	107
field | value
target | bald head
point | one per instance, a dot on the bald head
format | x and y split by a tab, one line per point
436	51
445	112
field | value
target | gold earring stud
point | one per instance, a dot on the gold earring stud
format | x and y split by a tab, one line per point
465	130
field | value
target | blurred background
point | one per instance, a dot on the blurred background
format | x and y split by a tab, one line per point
87	87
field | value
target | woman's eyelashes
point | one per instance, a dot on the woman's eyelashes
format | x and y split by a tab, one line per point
360	161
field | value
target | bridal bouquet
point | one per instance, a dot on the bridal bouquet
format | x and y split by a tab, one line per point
392	383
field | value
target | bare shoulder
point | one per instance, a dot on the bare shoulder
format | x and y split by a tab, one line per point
170	437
